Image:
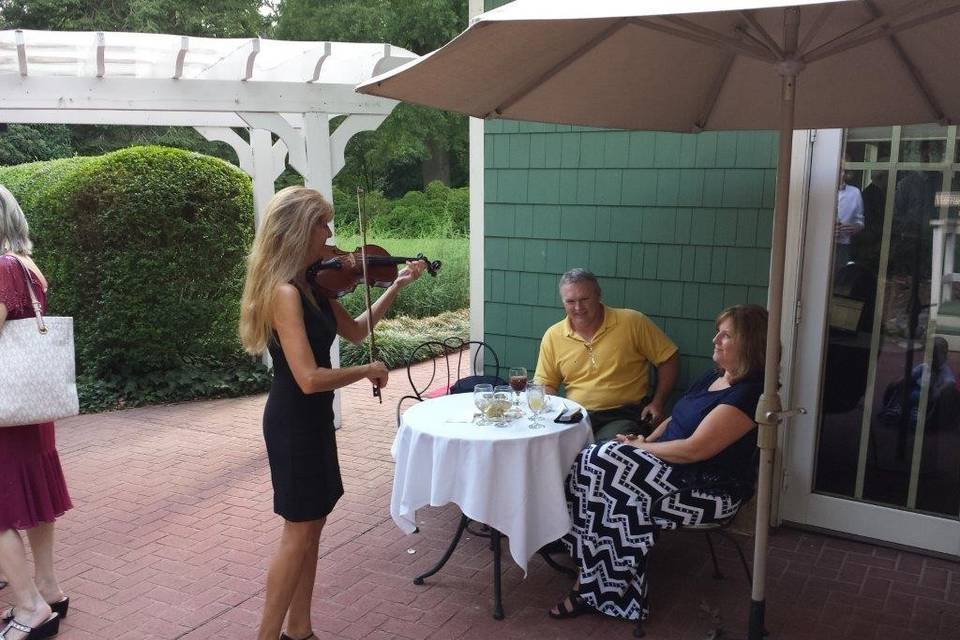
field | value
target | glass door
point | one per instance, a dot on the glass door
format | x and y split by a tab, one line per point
879	453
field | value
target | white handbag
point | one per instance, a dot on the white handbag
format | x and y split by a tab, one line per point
37	371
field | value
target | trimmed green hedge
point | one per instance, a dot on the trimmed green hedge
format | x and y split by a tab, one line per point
145	248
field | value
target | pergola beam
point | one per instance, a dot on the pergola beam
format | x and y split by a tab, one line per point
159	95
134	118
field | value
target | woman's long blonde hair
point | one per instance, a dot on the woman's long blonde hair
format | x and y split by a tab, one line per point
280	251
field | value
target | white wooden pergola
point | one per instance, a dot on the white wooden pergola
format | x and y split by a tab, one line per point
275	89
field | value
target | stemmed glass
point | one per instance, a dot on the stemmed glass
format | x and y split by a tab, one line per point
518	381
500	406
536	400
482	397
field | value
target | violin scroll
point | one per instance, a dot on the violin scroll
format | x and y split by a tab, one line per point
433	266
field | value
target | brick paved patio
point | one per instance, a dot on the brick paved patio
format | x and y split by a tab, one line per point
172	531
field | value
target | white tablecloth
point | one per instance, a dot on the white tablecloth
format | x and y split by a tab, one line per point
510	478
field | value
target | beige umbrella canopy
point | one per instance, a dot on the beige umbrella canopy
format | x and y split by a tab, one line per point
690	65
664	65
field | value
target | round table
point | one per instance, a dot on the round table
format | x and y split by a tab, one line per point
510	478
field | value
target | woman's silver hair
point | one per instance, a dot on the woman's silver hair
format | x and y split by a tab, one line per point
14	232
578	275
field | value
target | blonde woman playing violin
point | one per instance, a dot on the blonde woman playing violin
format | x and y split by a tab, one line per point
280	314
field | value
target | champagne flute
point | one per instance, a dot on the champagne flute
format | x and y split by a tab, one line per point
537	401
482	397
518	381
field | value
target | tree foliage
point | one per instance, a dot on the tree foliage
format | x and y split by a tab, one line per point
27	143
397	157
210	18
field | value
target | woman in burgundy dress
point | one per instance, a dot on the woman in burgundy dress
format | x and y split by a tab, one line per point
33	492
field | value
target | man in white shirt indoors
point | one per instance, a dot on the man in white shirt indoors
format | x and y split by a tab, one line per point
849	220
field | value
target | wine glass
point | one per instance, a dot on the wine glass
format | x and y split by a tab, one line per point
500	406
518	381
537	401
482	397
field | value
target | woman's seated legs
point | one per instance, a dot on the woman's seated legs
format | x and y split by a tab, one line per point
611	490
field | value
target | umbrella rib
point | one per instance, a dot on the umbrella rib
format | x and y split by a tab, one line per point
714	94
882	27
768	40
557	68
914	72
875	22
818	23
714	39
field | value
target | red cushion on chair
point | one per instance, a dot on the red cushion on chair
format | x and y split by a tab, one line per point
436	393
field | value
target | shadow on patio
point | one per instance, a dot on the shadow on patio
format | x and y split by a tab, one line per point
173	528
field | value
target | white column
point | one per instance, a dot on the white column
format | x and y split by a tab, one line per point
261	146
476	216
318	175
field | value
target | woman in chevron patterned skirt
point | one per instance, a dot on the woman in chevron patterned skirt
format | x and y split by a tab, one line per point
613	487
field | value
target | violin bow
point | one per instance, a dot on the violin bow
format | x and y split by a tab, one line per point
372	344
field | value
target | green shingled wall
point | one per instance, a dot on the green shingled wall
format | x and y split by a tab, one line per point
674	225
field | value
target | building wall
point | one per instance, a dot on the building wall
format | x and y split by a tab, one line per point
674	225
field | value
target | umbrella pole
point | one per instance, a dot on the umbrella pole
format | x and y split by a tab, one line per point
770	407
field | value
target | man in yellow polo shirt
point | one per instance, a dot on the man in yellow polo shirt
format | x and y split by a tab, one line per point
601	355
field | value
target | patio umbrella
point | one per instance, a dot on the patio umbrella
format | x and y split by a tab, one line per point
691	65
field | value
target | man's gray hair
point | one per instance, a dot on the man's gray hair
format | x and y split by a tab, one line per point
14	231
578	275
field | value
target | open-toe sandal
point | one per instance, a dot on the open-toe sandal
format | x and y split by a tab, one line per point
312	636
578	607
47	629
60	607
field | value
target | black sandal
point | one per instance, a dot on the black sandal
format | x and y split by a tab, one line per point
46	629
61	607
312	636
578	607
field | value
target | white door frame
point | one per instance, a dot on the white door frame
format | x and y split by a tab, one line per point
808	264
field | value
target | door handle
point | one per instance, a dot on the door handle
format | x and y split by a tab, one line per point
786	413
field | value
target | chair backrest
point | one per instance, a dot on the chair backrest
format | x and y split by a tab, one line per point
452	361
454	367
467	354
437	355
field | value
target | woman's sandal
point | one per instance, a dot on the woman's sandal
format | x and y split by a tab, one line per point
46	629
284	636
578	607
60	607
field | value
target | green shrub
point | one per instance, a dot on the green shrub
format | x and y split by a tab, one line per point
428	296
145	248
437	212
397	338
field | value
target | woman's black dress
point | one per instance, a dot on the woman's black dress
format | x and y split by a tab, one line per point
298	428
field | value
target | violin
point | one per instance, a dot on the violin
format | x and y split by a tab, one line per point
337	276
